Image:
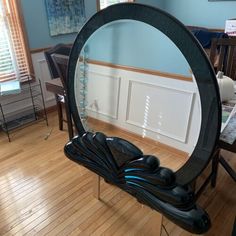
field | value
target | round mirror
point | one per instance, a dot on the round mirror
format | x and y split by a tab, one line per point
144	97
133	82
146	80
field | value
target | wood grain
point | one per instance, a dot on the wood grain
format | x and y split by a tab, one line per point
43	193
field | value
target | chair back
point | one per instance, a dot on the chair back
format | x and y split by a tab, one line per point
223	56
61	64
61	49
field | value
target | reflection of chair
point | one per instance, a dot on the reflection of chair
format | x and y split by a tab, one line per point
223	56
60	49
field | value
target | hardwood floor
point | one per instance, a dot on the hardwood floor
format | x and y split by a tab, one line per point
43	193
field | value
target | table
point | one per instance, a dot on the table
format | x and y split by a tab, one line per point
55	86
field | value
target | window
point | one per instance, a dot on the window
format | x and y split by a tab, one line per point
14	59
105	3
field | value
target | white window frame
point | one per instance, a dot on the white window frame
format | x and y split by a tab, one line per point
118	1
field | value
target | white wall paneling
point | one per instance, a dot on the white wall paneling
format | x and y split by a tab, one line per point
161	109
103	94
42	72
173	116
164	109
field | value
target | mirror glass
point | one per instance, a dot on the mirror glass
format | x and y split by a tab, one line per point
131	81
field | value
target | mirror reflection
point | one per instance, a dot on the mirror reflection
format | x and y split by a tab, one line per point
133	82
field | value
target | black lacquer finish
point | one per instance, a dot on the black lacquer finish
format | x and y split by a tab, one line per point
120	162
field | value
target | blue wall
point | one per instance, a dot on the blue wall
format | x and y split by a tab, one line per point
36	23
35	18
202	12
133	45
136	44
155	3
140	47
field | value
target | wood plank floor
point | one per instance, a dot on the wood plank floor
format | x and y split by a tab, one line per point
43	193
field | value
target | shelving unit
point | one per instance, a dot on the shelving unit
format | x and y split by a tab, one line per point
32	104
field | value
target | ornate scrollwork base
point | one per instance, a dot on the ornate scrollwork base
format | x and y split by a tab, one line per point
121	163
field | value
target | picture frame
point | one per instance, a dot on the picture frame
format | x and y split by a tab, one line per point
65	17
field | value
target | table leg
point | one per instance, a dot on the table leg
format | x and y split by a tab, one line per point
69	119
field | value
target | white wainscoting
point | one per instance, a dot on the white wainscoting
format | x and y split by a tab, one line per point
103	101
173	116
166	110
161	109
42	73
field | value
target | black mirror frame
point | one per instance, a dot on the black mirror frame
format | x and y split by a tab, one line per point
194	54
201	68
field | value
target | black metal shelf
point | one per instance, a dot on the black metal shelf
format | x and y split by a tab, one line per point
35	111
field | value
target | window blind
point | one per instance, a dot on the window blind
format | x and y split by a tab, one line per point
106	3
14	61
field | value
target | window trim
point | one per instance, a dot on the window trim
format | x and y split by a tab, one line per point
99	8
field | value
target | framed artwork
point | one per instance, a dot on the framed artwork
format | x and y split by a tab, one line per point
65	16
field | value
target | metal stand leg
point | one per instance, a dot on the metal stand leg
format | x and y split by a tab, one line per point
154	224
5	123
96	186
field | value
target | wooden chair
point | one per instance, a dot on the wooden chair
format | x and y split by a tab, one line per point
60	49
223	56
61	64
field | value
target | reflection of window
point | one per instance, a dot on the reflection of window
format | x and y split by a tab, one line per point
105	3
13	53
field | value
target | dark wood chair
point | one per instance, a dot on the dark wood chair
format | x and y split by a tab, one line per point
61	64
218	159
223	56
57	87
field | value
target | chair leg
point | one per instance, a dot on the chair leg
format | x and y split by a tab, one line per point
215	164
69	119
96	186
60	115
228	168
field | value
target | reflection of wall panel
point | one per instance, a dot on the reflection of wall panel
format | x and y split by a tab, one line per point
121	96
103	94
162	110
